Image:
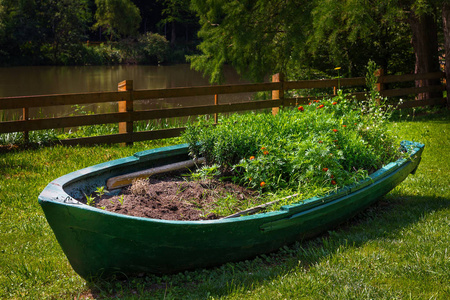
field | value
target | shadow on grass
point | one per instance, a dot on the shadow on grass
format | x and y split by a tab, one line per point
383	220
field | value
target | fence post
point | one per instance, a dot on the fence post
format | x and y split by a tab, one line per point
379	85
277	94
26	117
126	106
216	102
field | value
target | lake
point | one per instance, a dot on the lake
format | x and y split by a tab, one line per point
44	80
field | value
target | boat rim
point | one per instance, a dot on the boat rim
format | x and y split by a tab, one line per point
54	192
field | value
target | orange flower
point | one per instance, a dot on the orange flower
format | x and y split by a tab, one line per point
252	157
325	169
333	182
332	176
250	179
335	130
320	142
320	106
300	108
266	152
263	148
344	125
334	103
262	184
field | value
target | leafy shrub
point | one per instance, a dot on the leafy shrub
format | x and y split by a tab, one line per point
154	48
317	147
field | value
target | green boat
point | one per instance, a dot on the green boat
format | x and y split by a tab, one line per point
102	243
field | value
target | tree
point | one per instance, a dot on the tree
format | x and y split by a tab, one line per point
362	18
33	32
118	17
68	22
256	37
23	31
355	31
177	12
262	37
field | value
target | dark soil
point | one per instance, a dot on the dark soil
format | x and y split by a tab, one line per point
173	198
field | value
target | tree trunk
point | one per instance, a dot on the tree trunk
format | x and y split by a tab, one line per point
173	36
425	43
446	27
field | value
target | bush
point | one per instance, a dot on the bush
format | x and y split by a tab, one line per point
317	147
154	48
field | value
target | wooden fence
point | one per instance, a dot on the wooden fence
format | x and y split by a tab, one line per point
126	95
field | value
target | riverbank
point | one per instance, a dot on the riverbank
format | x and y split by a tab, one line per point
394	249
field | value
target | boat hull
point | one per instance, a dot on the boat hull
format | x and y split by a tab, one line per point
101	243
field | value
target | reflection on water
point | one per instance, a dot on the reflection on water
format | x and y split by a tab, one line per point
45	80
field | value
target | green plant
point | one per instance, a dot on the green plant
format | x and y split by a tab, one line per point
90	200
154	48
313	148
121	199
206	172
101	190
371	81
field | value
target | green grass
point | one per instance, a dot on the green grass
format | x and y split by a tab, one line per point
399	248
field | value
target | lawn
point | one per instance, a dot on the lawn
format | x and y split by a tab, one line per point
398	248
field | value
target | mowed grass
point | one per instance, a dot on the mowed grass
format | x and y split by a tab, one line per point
398	248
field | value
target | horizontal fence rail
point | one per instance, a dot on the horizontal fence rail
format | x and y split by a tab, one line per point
125	97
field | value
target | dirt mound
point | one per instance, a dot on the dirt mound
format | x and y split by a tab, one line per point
173	198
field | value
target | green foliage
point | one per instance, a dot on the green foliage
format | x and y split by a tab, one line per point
263	37
206	172
69	24
118	17
90	200
257	38
101	190
154	48
316	147
121	199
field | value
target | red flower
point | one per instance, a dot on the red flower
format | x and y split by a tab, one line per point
320	142
333	182
262	184
263	148
252	157
300	108
266	152
335	130
334	103
320	106
332	176
344	125
325	169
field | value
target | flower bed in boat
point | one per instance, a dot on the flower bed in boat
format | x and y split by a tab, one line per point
311	150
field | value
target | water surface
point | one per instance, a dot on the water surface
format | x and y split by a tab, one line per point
45	80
